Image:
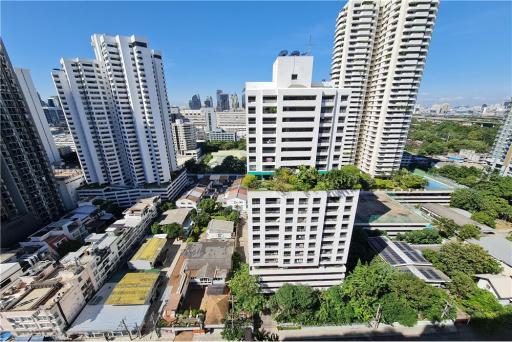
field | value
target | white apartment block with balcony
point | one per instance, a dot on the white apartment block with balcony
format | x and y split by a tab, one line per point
300	237
501	155
379	54
117	110
184	136
292	121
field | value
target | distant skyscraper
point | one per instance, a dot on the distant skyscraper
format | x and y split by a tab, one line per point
234	102
29	195
118	113
195	103
222	100
208	103
501	155
53	111
38	115
379	55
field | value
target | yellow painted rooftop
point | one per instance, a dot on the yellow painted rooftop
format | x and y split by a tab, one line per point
134	289
150	250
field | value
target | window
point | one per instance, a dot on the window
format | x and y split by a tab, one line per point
294	76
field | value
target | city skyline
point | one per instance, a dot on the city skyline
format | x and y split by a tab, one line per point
482	76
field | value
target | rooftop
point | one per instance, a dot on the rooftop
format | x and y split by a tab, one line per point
406	259
194	194
97	316
220	226
134	289
208	259
377	207
455	215
497	246
150	250
502	284
175	216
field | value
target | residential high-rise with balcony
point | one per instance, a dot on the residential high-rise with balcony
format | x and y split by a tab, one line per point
29	195
117	110
300	236
184	136
293	121
380	48
38	114
501	155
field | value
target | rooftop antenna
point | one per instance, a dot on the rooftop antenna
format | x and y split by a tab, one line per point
310	45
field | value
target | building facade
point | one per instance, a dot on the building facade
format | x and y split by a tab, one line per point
292	121
118	113
379	54
232	121
38	115
184	136
220	135
501	155
29	195
300	237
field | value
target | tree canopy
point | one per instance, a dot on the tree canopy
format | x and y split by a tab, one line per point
420	237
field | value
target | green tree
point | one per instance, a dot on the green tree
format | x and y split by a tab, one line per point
201	219
461	284
468	231
234	329
307	177
209	205
419	237
246	290
156	228
333	309
484	218
249	181
173	230
294	301
467	199
166	205
447	227
463	257
396	309
364	286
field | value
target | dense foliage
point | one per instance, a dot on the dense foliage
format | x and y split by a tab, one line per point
448	228
246	291
487	200
230	164
173	230
347	177
214	146
430	138
400	297
463	257
485	311
461	174
208	209
109	207
420	237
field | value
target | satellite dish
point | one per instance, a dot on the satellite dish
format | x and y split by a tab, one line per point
295	53
283	53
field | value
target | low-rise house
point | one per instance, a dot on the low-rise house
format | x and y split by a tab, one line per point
118	309
104	252
9	272
205	264
191	198
403	257
180	216
236	196
45	300
150	254
220	229
499	285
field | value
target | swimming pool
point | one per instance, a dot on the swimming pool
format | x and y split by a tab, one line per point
435	185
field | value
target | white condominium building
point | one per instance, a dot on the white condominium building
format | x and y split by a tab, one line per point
118	112
37	114
184	136
501	155
300	237
379	54
292	121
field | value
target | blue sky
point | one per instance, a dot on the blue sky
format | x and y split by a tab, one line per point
220	45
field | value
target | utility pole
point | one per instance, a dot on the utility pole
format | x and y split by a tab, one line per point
376	319
446	310
126	327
